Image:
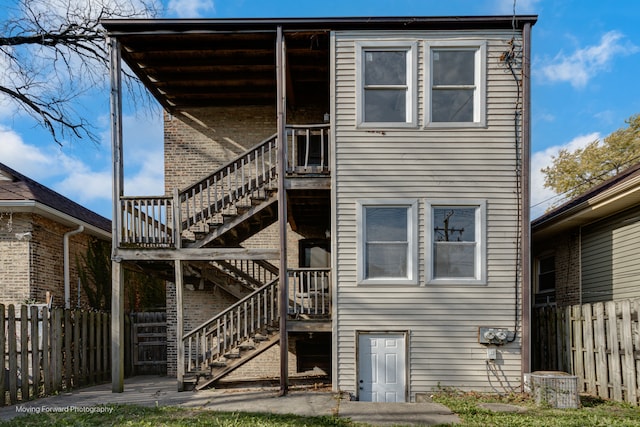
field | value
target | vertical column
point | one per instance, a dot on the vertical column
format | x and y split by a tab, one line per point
117	273
282	209
179	325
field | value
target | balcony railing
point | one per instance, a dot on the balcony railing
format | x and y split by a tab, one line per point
309	292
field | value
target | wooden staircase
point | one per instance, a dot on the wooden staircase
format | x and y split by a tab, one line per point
232	337
222	210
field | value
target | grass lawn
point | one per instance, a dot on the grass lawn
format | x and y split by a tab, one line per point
594	412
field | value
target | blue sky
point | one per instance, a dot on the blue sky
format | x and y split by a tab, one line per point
585	62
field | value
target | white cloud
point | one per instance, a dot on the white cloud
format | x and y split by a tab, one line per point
191	8
580	66
541	197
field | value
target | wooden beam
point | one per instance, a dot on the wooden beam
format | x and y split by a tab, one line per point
196	254
281	103
117	272
117	327
179	325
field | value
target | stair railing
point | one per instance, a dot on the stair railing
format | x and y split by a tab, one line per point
145	221
231	327
230	185
253	273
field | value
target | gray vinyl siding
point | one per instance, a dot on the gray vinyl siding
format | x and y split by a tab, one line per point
428	164
611	258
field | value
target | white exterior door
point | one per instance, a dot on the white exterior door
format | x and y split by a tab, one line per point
381	367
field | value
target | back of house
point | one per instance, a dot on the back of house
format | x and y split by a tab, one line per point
345	197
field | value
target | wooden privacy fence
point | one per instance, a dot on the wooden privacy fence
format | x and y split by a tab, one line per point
48	350
599	343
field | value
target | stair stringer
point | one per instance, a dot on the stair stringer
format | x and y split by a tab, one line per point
266	208
218	373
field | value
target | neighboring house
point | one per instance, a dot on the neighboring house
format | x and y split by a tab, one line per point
383	245
587	250
42	234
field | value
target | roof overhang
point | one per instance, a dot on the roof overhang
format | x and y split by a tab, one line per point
31	206
617	198
194	63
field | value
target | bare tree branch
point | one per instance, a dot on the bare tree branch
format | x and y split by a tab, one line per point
52	52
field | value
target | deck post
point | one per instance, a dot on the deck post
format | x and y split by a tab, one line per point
282	210
117	273
179	325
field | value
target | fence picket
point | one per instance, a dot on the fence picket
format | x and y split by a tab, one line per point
13	355
628	360
615	374
24	353
589	354
600	343
3	399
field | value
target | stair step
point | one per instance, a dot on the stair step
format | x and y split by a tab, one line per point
218	364
245	347
232	355
241	209
260	337
256	200
228	216
214	225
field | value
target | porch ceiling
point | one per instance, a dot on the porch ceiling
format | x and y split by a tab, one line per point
184	70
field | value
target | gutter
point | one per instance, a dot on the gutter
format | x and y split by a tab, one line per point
67	286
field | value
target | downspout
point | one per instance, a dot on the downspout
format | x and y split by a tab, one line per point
67	286
526	201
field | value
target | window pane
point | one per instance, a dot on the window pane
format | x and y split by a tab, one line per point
547	281
385	67
386	260
454	224
454	260
385	105
386	224
452	105
453	67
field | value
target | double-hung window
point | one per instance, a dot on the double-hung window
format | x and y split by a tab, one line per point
457	239
387	242
456	84
387	84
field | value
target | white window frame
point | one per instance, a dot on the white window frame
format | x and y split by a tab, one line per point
480	84
411	49
412	235
480	276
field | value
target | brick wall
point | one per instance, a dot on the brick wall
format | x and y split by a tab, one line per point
566	249
15	256
29	267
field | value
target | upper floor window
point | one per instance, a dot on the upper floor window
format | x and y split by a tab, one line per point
387	84
456	235
456	84
387	242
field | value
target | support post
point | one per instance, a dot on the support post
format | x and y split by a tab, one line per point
179	325
117	272
282	210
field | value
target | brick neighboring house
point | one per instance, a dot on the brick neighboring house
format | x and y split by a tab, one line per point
587	250
34	223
